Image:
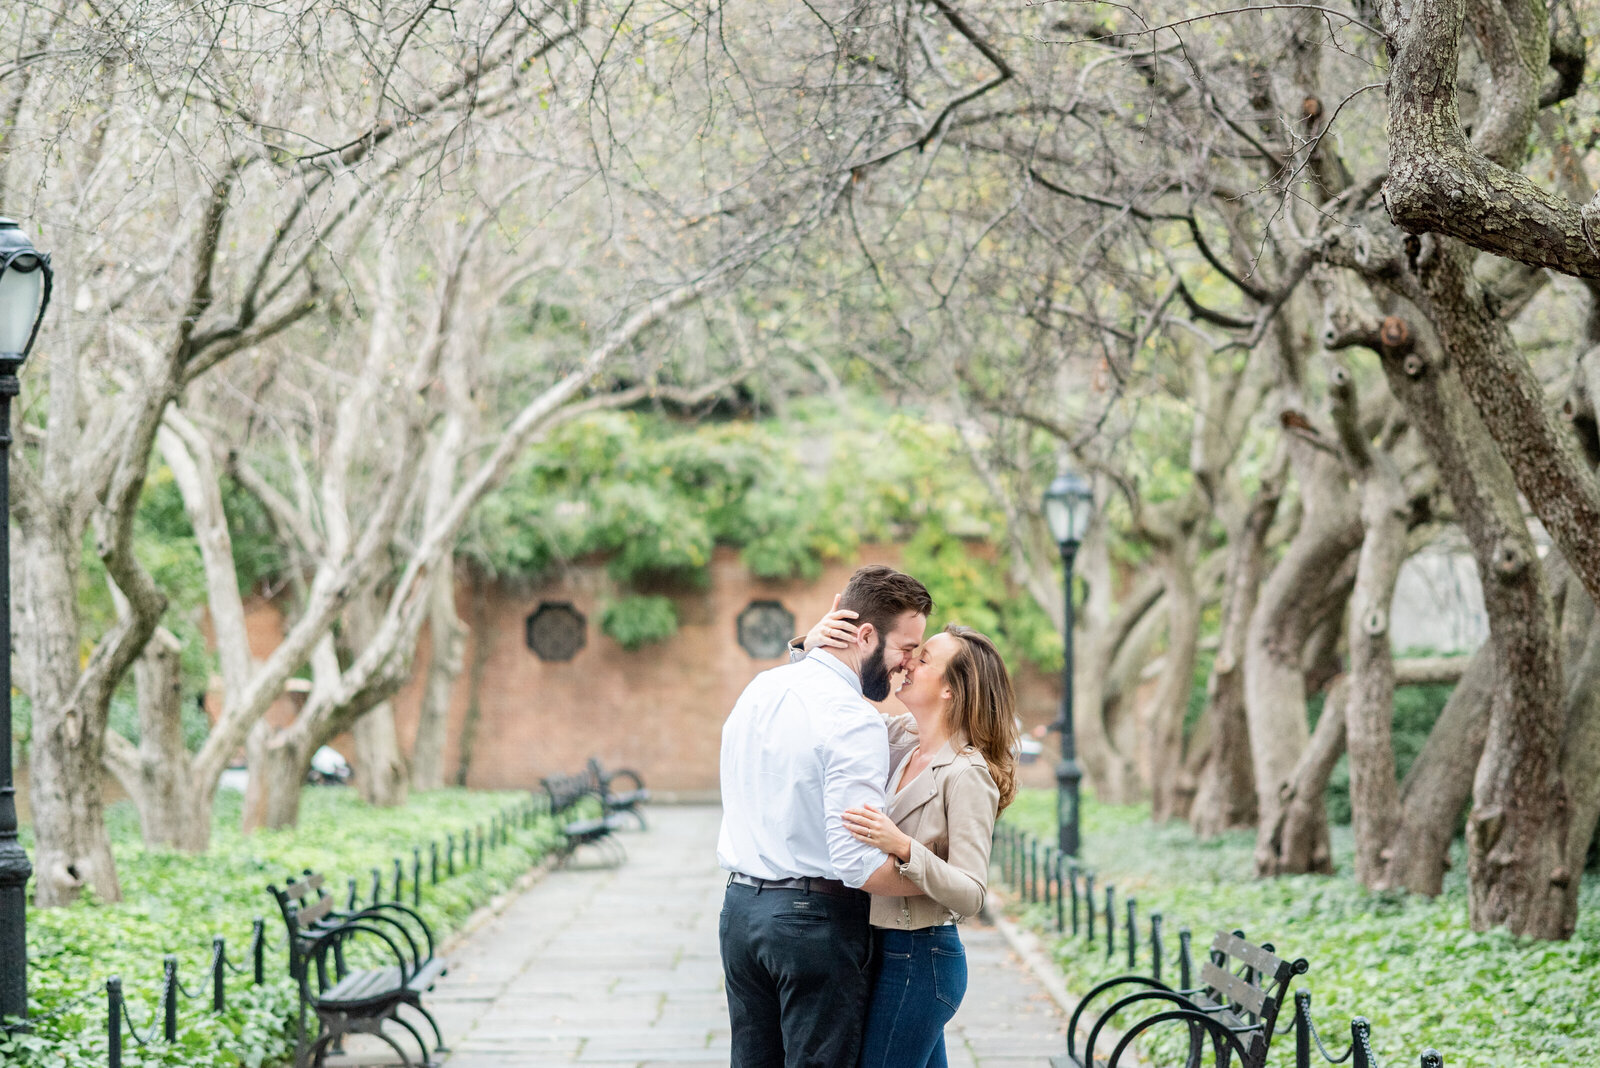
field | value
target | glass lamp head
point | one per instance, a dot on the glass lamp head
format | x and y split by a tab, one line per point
1068	508
24	291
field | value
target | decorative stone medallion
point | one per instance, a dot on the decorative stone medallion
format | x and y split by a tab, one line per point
556	630
765	628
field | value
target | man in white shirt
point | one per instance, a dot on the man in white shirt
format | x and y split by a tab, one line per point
801	746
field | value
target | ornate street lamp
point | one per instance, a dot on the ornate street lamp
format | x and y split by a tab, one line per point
24	295
1068	508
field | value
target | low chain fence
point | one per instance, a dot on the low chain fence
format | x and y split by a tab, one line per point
406	878
1038	873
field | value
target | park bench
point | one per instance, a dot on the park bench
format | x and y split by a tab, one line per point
1235	1009
619	802
349	1000
565	792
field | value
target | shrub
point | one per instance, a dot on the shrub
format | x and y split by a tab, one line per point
1412	965
638	621
174	903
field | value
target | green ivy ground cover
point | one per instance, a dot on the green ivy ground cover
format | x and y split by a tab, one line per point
1412	966
175	903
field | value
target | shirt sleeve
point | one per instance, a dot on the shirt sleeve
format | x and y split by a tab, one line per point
855	766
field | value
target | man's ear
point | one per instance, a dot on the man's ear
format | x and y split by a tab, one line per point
865	632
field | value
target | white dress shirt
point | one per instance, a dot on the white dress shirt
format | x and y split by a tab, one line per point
801	746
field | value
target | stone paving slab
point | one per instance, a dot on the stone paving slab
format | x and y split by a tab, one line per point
618	966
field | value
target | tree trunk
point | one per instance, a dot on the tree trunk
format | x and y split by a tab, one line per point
1438	785
449	641
72	849
382	776
1518	869
1580	762
1369	702
1274	679
1171	702
1226	796
158	775
278	766
381	773
1297	838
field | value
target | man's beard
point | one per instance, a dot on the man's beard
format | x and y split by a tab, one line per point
875	676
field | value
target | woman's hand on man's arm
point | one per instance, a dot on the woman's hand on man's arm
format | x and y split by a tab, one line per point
876	829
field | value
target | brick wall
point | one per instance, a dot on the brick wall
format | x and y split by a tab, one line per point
658	709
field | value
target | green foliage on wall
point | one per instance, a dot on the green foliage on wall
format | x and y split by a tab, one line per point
654	498
638	621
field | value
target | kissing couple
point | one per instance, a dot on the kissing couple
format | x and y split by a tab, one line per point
857	840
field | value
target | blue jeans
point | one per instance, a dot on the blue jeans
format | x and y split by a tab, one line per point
922	977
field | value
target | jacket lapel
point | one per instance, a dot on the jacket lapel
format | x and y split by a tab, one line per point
922	789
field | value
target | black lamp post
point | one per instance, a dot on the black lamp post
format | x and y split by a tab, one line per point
24	295
1068	507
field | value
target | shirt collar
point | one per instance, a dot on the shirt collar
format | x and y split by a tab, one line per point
834	664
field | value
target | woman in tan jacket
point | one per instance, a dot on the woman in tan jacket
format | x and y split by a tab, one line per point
944	796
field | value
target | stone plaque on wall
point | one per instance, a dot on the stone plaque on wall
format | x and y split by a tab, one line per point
765	628
556	630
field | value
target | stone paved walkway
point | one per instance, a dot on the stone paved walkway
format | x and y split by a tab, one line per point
619	966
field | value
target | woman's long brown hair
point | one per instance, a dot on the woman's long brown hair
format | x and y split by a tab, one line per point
983	705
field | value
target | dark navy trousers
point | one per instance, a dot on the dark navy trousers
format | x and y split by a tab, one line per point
796	965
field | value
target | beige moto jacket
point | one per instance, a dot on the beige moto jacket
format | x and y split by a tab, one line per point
948	811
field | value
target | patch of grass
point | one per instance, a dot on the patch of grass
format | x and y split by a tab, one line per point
175	903
1413	966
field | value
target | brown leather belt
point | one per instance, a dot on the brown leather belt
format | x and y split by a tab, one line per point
831	887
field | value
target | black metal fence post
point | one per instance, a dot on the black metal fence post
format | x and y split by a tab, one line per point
480	845
1185	957
397	867
377	886
450	855
1049	868
169	998
1072	888
1111	921
416	876
1061	893
1155	946
1088	901
1133	934
219	964
1302	1029
350	894
1033	871
258	948
1361	1043
114	1021
433	863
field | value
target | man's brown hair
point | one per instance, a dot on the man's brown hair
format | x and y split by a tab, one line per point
880	595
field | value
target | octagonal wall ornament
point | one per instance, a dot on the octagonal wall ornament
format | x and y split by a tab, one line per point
765	628
556	630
